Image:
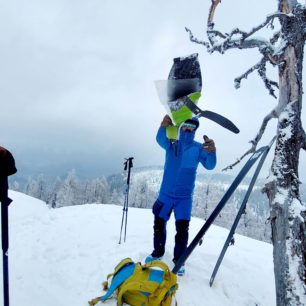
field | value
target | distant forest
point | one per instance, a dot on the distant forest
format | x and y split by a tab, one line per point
144	187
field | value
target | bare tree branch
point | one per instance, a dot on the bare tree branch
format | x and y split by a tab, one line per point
254	142
238	38
270	18
275	37
195	40
240	43
272	114
268	83
246	74
213	34
261	67
243	40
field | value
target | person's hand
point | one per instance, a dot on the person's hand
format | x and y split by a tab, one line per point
166	121
209	145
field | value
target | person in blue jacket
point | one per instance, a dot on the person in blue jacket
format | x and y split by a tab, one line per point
181	162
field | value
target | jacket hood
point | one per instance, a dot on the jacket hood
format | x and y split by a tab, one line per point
186	137
194	120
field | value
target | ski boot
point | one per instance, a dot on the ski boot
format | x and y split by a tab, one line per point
151	258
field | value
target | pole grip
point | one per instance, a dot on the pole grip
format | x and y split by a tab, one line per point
128	165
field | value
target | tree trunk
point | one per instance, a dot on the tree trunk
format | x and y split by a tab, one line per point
288	214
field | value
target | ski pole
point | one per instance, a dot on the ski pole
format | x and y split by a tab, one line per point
126	215
230	237
198	238
5	201
128	164
7	167
122	221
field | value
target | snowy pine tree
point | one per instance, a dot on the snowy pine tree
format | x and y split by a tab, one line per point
141	195
37	188
70	191
52	199
97	191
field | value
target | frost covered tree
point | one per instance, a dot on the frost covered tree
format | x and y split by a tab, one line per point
97	191
140	194
52	199
37	188
70	192
15	186
284	50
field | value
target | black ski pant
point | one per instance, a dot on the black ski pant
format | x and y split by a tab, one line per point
160	234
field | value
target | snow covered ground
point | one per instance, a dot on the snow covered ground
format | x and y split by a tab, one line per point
59	257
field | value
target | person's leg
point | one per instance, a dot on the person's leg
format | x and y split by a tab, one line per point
160	235
182	211
162	212
181	238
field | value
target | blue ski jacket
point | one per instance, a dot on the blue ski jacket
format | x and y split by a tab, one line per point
182	159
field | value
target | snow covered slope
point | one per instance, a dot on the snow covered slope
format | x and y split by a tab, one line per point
59	257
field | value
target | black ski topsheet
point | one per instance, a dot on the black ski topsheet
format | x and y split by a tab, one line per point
243	172
186	67
177	89
224	122
184	79
240	212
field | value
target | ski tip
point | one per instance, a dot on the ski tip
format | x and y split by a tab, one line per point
211	281
236	130
230	126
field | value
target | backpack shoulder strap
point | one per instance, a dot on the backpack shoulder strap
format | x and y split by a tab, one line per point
122	264
123	271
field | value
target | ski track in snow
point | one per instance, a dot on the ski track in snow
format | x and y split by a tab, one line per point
60	257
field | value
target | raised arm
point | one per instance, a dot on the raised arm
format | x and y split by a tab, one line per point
208	156
161	136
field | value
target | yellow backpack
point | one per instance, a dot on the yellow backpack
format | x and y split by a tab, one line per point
151	284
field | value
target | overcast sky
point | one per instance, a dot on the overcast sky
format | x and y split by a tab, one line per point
77	81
